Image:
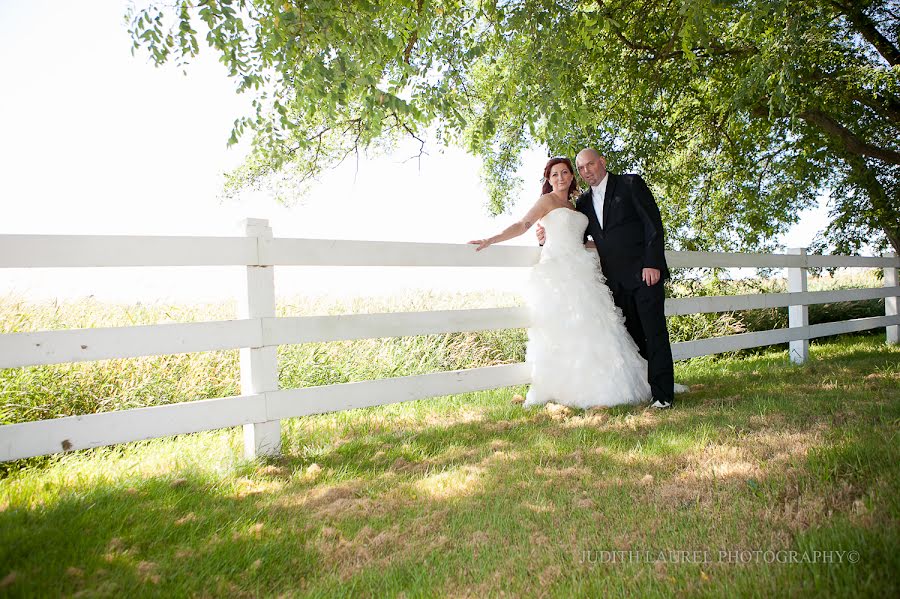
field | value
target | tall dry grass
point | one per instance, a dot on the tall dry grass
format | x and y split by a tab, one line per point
41	392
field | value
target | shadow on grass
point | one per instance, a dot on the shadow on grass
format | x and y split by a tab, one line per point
484	497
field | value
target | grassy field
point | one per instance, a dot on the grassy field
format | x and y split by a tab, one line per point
475	496
40	392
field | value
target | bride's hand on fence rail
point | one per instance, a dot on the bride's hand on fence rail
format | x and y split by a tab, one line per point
481	243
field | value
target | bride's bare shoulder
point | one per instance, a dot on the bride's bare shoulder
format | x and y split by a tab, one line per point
541	207
543	204
547	198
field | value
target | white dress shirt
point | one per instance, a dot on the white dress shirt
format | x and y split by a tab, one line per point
598	194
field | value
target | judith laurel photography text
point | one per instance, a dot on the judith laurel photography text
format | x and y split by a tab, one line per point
723	556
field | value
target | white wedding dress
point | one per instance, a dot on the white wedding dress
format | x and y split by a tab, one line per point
579	351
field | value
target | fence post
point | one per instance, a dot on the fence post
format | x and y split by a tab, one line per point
259	365
890	303
798	315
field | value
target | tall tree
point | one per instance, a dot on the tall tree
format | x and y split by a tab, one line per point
739	112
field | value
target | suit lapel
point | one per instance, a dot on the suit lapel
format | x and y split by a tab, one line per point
607	199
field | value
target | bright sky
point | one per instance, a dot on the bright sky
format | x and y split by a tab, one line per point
95	141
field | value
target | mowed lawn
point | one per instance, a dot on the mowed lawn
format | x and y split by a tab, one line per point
768	479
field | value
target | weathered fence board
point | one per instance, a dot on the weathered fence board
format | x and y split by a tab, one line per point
42	437
314	252
316	400
729	343
305	329
728	303
79	345
33	251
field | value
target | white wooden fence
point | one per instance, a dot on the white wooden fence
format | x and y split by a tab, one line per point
258	332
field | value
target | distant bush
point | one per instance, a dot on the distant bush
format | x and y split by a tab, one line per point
701	326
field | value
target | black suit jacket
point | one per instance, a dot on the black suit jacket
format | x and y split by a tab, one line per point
631	237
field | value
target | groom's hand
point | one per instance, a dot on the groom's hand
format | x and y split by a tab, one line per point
540	234
651	276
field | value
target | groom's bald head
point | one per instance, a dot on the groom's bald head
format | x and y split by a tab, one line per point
591	166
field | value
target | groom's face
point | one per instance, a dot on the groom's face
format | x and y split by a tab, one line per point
591	167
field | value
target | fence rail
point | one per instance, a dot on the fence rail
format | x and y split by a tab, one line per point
82	345
258	331
60	251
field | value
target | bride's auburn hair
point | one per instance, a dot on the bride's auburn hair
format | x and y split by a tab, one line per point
547	188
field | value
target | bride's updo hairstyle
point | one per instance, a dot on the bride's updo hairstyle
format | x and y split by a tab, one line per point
547	188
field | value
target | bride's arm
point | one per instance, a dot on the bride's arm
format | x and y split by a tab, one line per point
514	230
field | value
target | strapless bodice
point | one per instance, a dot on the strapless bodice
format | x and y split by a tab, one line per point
564	231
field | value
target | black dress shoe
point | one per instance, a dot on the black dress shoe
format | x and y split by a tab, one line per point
661	405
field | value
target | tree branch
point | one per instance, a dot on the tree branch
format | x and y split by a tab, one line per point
869	31
421	145
851	142
666	52
889	108
414	37
624	39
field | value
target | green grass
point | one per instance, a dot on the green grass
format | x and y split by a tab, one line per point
472	495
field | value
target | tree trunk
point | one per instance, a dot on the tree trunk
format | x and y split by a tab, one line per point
850	141
885	211
869	31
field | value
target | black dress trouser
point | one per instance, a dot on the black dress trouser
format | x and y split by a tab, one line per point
645	319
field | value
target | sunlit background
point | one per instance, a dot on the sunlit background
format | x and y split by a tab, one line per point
95	141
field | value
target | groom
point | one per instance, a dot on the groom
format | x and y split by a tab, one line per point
624	222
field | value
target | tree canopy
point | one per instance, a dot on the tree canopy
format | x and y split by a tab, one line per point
739	113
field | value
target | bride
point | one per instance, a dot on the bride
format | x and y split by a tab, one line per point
580	353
